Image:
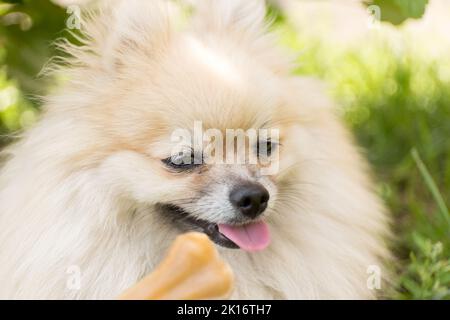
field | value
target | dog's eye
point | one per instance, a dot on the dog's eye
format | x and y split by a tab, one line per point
183	161
266	148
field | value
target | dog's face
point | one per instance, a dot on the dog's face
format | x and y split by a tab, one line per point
209	117
213	124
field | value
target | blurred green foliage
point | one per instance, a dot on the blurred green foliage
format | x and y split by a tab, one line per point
27	30
397	11
394	100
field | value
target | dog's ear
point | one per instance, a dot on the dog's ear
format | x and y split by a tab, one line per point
245	17
127	28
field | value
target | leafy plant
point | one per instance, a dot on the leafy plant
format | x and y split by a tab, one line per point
427	276
397	11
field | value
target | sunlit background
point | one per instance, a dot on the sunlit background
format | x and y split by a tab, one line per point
390	77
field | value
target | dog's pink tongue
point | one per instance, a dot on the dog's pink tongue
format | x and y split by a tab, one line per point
250	237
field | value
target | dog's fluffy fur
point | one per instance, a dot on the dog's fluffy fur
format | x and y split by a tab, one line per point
80	187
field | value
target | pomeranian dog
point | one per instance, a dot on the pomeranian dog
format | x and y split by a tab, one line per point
99	187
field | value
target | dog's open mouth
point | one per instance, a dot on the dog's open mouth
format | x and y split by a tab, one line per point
253	236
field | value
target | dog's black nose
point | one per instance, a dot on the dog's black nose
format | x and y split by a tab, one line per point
250	199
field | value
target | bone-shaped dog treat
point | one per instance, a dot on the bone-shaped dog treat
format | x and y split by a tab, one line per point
192	269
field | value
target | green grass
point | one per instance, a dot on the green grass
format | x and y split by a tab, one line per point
427	276
431	186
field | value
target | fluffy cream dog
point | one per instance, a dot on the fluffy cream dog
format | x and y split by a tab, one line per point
93	190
